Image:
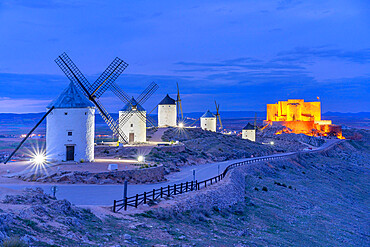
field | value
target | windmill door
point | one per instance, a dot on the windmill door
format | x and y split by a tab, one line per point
70	153
131	137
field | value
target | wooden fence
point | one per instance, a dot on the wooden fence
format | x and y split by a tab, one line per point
175	189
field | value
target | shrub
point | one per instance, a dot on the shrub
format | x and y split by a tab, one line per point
255	188
264	188
290	187
82	160
14	242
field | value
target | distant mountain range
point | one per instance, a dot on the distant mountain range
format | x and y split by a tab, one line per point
11	123
224	114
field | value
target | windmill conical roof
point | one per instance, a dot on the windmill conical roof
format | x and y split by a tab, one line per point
208	114
249	127
167	101
71	97
129	105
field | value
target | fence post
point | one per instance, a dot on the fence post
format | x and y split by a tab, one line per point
144	197
196	185
169	191
186	187
205	183
181	188
125	203
192	186
136	200
174	189
161	192
153	194
114	206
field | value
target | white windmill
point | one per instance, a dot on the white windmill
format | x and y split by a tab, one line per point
70	127
208	121
167	113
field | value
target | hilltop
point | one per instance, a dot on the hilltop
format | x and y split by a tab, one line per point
309	200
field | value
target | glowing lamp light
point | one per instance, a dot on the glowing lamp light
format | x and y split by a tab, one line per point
181	125
272	143
39	159
140	158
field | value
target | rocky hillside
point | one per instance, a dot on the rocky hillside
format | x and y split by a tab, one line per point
311	200
204	147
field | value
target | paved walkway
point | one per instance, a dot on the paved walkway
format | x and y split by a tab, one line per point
103	195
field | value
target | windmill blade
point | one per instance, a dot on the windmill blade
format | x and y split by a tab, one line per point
179	105
73	74
145	118
149	91
125	99
28	135
151	121
219	119
218	114
110	121
122	120
153	109
120	93
194	122
108	77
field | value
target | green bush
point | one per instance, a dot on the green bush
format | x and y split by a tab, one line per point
264	188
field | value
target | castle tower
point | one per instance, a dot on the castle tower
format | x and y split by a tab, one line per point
208	121
134	127
70	127
249	132
167	115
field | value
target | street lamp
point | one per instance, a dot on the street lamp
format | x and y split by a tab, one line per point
140	158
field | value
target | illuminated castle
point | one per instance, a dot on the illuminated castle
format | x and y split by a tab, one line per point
301	117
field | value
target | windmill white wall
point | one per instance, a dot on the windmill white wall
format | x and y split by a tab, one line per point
70	126
167	112
249	132
249	135
208	121
135	127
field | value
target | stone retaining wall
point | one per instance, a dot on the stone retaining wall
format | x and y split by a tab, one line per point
137	176
227	192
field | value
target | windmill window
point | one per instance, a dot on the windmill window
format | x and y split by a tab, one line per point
69	133
66	113
85	113
132	125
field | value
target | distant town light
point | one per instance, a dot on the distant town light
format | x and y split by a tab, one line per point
181	125
140	158
272	143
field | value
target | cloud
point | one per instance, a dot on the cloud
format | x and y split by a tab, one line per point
307	55
9	105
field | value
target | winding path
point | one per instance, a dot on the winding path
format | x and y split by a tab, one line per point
103	195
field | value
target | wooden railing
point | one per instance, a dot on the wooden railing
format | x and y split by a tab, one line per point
175	189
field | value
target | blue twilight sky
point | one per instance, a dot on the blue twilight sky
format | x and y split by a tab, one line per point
244	54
